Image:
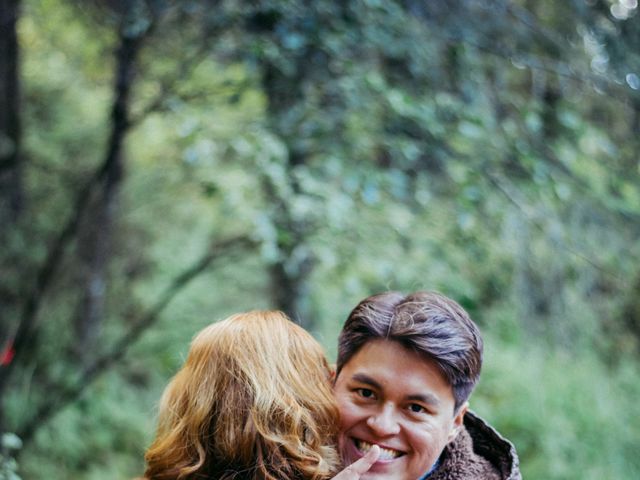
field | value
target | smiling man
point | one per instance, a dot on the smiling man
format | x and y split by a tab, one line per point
406	367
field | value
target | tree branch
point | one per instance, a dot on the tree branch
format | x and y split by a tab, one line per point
102	364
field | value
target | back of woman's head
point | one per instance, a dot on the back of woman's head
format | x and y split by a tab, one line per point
252	401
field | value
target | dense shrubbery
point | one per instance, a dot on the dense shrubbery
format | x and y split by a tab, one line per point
570	416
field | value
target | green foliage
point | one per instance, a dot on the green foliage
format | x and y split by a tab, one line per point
474	147
103	435
569	416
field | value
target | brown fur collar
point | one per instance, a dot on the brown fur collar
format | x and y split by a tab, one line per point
478	453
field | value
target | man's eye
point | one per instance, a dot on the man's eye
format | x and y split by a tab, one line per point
415	408
365	392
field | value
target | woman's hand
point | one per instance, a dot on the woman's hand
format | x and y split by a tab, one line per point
362	466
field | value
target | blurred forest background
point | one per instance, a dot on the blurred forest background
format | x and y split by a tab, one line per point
166	163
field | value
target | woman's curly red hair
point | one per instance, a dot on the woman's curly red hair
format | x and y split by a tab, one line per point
252	401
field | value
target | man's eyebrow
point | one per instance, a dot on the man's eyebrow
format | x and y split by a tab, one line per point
427	398
366	379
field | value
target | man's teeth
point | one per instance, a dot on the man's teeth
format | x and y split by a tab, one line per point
385	453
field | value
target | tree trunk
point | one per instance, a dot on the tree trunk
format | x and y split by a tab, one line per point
11	196
289	275
95	240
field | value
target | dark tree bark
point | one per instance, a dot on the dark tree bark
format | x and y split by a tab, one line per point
11	196
11	193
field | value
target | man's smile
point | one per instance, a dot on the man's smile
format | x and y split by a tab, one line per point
386	454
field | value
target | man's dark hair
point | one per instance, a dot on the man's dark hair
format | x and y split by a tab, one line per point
425	322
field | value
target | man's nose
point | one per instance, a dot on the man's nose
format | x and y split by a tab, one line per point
383	421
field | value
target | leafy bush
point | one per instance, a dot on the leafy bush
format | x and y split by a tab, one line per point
569	416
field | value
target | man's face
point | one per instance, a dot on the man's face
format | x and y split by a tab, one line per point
393	397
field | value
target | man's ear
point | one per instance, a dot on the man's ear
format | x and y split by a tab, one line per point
458	422
332	374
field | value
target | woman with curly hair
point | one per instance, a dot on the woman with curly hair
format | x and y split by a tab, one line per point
253	401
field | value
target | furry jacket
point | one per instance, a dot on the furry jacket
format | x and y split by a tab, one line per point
478	453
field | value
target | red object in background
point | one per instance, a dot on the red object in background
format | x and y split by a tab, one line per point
7	354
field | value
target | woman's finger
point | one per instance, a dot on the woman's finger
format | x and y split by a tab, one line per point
362	466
